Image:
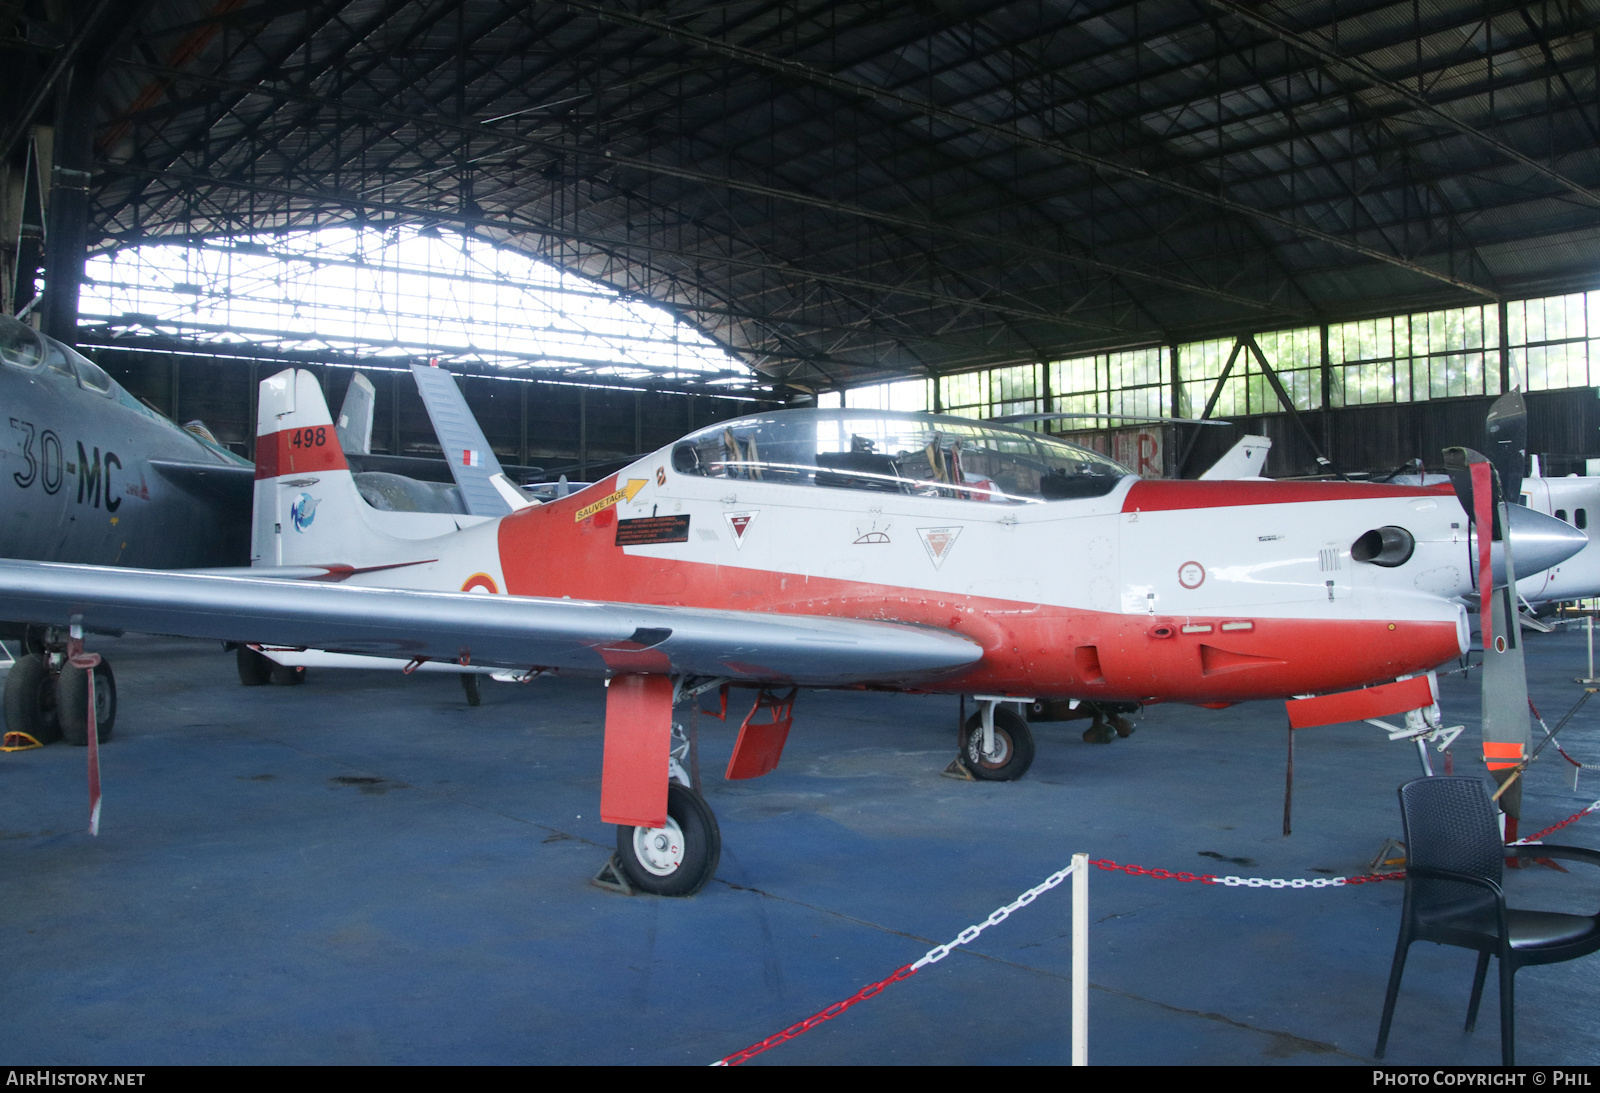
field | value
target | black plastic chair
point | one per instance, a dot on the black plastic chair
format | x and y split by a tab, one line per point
1454	863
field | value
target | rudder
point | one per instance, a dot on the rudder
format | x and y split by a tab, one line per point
306	502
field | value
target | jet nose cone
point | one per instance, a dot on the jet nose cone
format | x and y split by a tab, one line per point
1537	542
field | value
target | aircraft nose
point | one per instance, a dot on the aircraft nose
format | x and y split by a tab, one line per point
1537	542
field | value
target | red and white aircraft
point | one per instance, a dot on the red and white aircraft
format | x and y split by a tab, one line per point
833	548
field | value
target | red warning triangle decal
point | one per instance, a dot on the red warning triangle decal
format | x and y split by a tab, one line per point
739	523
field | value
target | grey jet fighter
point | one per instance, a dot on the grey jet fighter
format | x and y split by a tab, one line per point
90	474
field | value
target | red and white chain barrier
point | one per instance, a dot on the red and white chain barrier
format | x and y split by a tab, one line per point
1080	971
1574	818
1244	882
1080	935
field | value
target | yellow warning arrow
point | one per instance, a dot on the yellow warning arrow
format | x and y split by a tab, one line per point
634	486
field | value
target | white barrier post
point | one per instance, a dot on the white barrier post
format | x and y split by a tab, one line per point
1080	960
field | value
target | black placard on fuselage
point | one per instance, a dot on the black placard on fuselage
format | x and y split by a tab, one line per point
653	529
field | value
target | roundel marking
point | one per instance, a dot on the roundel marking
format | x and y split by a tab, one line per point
480	581
1191	574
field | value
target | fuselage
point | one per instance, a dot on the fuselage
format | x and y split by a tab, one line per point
81	476
1576	500
1115	588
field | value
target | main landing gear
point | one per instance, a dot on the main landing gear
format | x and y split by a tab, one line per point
48	698
1107	721
258	670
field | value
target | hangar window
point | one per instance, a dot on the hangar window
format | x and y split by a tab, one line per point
909	395
1555	341
924	455
403	293
1295	355
1132	382
1433	354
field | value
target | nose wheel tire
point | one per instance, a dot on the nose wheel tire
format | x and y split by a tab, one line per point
678	858
1013	747
72	703
30	700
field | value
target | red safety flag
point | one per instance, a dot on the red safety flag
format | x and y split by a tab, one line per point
1483	516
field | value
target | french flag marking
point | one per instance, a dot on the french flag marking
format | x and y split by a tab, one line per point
471	458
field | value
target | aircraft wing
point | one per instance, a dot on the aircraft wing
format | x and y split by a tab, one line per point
505	631
230	483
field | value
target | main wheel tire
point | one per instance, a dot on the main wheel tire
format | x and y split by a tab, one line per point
678	859
30	700
469	684
72	703
255	670
1013	747
285	676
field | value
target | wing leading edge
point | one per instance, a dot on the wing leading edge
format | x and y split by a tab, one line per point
504	631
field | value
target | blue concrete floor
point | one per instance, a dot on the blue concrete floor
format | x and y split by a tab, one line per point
243	905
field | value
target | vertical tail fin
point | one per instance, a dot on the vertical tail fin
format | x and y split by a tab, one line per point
307	508
472	461
355	416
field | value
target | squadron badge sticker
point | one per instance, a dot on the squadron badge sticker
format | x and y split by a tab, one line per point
303	511
938	542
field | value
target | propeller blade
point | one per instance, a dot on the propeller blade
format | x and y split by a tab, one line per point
1458	465
1507	428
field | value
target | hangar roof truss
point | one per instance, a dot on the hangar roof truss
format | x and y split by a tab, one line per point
841	192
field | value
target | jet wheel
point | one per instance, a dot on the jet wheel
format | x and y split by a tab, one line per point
676	859
1013	747
255	670
30	700
72	703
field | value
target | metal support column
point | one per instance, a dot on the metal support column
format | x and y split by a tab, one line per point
1211	404
67	216
1288	404
251	427
583	434
522	446
1505	351
396	380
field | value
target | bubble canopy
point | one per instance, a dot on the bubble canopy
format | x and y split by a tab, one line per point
922	455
